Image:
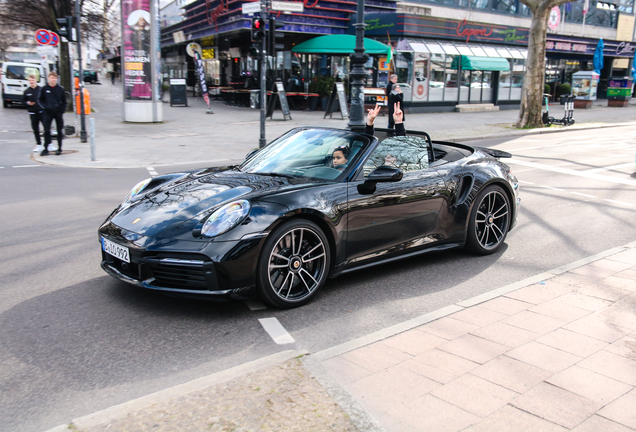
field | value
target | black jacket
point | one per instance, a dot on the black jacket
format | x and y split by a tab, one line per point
399	129
53	99
32	95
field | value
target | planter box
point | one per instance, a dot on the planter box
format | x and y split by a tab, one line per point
582	104
617	103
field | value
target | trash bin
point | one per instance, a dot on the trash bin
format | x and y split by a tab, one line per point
178	92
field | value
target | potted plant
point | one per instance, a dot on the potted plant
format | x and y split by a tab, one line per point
564	90
323	86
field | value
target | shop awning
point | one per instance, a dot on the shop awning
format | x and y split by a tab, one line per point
481	63
341	44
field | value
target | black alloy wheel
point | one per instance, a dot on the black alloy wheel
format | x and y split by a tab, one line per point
489	221
294	264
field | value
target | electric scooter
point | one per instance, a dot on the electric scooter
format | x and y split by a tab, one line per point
568	116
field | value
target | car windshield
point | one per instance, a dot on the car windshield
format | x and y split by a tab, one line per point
22	72
323	154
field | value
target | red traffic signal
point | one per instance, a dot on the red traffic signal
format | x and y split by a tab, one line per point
258	29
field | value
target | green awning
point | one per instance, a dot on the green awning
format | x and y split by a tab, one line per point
481	63
341	44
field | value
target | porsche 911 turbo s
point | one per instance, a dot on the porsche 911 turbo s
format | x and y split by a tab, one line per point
287	219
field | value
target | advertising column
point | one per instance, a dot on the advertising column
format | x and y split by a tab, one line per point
140	61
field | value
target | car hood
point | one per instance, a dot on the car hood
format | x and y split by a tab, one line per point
195	196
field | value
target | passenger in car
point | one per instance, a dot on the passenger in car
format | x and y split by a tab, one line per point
340	157
398	118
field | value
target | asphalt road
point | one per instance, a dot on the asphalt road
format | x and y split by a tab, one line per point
74	340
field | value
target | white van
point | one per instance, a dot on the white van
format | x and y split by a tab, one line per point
15	80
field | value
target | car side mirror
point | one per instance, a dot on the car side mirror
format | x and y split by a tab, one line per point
252	153
381	174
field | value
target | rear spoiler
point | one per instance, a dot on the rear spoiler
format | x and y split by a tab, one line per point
495	153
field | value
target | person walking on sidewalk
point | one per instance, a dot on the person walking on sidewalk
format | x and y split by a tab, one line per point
394	97
53	100
30	99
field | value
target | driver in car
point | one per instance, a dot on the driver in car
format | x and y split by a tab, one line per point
340	157
398	119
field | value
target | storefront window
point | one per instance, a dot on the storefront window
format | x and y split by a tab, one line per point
505	83
436	83
474	4
518	71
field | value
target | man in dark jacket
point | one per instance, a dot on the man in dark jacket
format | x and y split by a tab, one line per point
53	100
30	99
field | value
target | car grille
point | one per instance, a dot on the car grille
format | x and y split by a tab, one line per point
175	276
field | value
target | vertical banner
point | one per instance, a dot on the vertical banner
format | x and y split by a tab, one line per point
137	30
194	50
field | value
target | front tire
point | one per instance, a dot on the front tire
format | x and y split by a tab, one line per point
489	221
294	264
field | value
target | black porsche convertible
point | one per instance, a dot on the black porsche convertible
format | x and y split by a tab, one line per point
285	220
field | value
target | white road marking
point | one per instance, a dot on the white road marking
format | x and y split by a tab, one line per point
619	202
152	171
525	182
585	195
609	168
553	188
25	166
585	174
276	330
255	304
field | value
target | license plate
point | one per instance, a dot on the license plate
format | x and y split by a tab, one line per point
116	250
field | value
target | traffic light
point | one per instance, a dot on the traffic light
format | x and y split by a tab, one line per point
258	29
65	28
274	37
254	52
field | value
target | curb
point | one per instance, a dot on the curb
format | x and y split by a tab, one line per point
512	133
121	410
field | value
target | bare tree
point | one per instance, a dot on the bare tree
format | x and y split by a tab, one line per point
532	93
7	39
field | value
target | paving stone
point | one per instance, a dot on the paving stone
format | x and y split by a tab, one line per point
599	329
611	365
505	334
597	423
543	356
534	322
602	291
625	347
442	366
475	395
539	293
556	405
560	310
474	348
593	271
627	274
429	413
622	410
591	385
505	305
478	316
618	282
570	278
511	373
572	342
376	357
511	419
344	370
613	265
628	256
413	342
448	328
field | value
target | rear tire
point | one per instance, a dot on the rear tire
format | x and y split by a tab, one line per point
5	104
489	221
294	264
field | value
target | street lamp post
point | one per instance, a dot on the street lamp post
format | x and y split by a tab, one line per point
358	74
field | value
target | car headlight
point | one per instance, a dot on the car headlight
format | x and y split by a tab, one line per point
137	189
226	218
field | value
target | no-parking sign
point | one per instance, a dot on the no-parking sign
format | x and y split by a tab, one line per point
55	39
43	37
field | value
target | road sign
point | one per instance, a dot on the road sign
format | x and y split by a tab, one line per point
55	39
43	37
251	8
287	6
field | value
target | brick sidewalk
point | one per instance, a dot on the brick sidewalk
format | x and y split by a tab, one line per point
553	356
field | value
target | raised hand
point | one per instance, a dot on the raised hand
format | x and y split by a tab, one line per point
372	114
398	115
